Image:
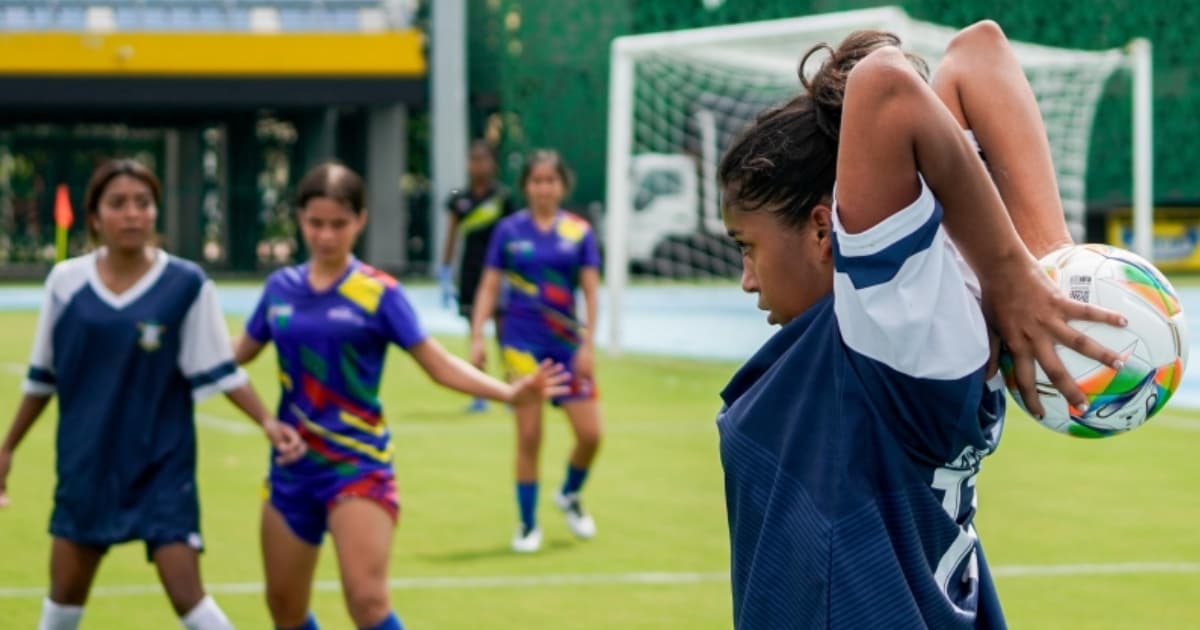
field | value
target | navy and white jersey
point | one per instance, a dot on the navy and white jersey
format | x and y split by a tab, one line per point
851	442
126	369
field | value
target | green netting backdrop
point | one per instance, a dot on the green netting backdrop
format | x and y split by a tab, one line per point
540	70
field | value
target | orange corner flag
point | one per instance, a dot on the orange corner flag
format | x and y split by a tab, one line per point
63	216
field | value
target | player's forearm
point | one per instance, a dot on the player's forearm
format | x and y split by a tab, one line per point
246	349
28	412
452	372
974	214
450	242
466	378
247	401
893	127
589	327
997	103
484	305
590	282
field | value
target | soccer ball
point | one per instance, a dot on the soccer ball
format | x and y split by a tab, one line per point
1153	346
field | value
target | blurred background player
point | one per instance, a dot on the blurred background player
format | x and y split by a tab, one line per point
544	254
852	439
474	212
331	320
128	338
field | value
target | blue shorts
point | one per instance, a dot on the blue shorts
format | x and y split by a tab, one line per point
522	359
304	502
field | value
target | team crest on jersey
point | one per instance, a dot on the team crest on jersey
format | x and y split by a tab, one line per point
280	314
151	338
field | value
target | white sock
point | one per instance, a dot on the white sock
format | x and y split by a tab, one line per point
59	616
206	615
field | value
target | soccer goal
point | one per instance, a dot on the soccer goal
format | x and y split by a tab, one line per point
677	98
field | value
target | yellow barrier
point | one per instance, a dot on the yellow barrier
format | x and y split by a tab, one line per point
1176	236
388	54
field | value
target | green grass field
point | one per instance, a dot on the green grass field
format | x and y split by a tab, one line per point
1081	534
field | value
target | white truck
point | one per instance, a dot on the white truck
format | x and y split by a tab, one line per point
675	228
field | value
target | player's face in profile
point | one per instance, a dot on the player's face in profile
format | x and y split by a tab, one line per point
544	188
480	166
789	268
124	219
330	228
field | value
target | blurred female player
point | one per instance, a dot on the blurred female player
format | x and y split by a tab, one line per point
851	440
129	337
545	253
474	213
331	320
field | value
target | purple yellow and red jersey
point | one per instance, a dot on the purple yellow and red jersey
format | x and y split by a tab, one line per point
331	346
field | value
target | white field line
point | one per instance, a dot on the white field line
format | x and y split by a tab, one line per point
605	579
225	425
499	426
1178	423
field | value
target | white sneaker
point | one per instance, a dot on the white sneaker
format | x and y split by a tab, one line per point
580	522
527	542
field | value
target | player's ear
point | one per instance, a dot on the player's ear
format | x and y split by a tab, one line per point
821	221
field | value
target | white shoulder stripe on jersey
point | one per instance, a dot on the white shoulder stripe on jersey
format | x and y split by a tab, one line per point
34	388
204	339
232	381
65	280
924	321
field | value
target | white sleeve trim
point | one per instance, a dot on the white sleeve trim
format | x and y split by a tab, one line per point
923	320
65	279
204	339
34	388
228	383
888	231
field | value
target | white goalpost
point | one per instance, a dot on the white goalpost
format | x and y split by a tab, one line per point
677	98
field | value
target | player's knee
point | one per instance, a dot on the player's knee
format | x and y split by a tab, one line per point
589	439
368	606
68	594
529	437
183	600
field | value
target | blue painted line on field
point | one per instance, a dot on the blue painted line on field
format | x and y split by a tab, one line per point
701	322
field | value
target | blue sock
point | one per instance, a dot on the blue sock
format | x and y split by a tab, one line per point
309	624
527	495
575	479
392	622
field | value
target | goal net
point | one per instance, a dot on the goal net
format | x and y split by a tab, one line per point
678	98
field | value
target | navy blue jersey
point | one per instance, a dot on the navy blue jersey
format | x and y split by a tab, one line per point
852	439
126	369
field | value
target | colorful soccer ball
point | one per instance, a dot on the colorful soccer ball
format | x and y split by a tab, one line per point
1153	346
